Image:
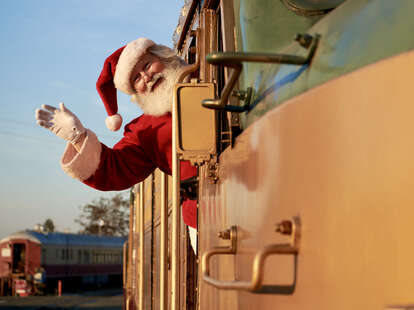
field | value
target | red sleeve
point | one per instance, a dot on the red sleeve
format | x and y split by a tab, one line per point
126	164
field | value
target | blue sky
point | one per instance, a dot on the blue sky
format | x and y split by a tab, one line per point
53	51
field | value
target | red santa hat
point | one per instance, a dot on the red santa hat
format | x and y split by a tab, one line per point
116	74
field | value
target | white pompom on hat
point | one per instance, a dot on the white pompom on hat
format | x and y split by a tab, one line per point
116	74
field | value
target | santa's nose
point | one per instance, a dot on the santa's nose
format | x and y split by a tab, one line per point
147	77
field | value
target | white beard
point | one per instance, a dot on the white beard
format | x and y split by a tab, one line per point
159	101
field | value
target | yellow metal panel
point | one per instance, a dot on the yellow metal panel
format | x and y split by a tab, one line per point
196	127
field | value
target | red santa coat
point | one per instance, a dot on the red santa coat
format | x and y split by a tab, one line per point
145	146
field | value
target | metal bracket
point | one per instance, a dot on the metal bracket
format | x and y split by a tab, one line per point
234	60
256	283
212	171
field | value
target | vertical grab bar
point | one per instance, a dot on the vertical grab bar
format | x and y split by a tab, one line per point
164	243
175	214
175	229
141	246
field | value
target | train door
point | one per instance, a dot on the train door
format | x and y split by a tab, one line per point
19	258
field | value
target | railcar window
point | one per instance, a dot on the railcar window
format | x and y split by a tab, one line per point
86	256
44	256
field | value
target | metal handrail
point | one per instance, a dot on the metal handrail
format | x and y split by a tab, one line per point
256	283
141	246
175	222
164	243
235	59
257	270
175	214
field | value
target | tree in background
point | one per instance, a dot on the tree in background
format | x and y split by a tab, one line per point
106	216
49	226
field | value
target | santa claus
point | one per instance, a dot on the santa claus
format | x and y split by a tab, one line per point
146	71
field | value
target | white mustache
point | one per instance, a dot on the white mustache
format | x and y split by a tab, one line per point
154	80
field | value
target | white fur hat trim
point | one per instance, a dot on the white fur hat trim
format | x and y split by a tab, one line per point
127	61
114	122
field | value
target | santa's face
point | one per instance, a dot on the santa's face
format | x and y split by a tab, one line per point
153	81
146	75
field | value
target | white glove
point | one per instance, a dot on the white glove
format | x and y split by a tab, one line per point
61	121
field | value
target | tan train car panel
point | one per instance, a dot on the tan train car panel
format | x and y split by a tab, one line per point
344	168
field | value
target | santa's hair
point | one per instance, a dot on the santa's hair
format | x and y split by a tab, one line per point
167	55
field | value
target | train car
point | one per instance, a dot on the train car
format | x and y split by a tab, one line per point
298	117
36	261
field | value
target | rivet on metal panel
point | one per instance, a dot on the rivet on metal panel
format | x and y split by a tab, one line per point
305	40
225	234
284	227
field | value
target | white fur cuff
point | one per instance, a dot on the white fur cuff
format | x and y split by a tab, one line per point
82	165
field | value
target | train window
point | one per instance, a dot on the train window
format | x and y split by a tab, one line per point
6	252
79	256
86	256
44	260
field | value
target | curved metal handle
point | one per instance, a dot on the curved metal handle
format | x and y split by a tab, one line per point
255	284
187	70
234	60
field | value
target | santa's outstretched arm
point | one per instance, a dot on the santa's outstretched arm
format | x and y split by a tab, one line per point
86	159
82	153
